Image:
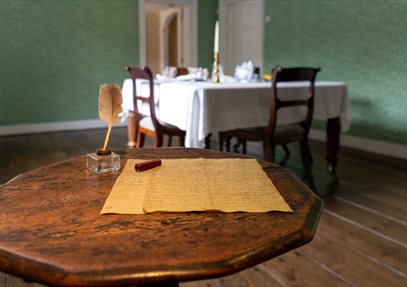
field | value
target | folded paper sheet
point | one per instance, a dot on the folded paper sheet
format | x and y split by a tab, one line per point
182	185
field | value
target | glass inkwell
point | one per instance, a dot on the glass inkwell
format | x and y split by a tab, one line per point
110	109
103	161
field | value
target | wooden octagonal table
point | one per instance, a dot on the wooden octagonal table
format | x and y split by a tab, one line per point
51	231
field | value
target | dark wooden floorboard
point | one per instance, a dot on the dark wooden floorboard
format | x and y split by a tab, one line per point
373	205
345	261
295	269
385	225
361	238
236	280
389	251
259	276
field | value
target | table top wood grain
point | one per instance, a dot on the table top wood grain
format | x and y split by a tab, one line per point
51	231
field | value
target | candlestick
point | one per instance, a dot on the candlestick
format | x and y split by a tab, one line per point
216	42
215	72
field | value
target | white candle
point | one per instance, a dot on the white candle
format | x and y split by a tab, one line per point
216	46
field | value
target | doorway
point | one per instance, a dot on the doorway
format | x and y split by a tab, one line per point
241	32
168	33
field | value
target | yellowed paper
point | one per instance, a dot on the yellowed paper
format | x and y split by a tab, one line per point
182	185
127	195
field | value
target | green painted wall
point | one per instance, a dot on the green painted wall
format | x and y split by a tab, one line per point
207	16
361	42
55	54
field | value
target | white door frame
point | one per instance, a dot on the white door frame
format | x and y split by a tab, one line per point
223	30
165	37
190	30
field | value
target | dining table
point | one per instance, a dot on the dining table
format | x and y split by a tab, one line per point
203	108
52	232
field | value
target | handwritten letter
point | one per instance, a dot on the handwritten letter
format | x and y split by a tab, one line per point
182	185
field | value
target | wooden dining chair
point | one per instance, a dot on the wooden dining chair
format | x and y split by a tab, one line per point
150	125
272	135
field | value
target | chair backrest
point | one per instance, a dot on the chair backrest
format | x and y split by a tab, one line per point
297	74
144	73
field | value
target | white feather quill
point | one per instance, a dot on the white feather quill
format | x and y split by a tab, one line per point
110	106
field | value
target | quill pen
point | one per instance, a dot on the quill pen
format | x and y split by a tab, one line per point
110	106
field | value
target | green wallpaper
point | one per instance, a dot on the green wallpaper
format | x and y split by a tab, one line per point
55	54
361	42
207	16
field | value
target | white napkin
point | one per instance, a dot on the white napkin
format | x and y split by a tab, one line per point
167	73
244	72
194	74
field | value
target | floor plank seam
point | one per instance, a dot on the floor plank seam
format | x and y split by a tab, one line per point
389	217
329	270
364	255
275	280
368	229
245	279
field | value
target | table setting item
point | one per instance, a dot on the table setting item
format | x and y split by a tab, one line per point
110	111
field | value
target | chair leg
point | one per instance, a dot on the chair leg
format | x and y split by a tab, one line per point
159	140
236	146
311	159
131	130
182	141
208	141
239	143
228	138
286	155
140	139
306	163
287	151
268	152
221	141
273	152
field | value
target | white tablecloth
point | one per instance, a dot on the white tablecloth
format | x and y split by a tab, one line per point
201	108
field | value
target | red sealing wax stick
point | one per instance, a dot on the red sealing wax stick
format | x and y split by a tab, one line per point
147	165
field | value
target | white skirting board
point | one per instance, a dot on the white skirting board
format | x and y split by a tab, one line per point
374	146
53	127
369	145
